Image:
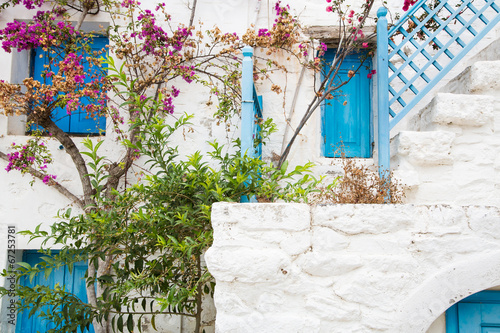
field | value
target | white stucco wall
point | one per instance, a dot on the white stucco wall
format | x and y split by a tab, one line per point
348	268
379	255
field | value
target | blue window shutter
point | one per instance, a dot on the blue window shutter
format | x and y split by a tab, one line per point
73	282
347	118
79	122
41	59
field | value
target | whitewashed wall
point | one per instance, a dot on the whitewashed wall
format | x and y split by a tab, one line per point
25	206
348	268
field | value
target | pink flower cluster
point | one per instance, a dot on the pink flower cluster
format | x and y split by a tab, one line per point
130	3
264	33
303	49
321	49
41	31
156	40
72	62
31	155
281	10
180	36
72	105
372	72
152	34
167	104
408	3
283	16
187	72
31	4
175	91
48	178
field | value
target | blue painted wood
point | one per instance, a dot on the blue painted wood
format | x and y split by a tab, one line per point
249	106
469	317
401	97
487	296
73	282
256	126
40	63
247	103
382	89
451	317
455	16
446	70
79	122
478	313
346	118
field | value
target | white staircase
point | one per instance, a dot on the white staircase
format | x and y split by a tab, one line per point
451	154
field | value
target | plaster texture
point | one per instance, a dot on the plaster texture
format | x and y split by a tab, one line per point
361	268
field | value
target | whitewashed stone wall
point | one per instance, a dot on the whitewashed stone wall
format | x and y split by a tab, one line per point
26	206
348	268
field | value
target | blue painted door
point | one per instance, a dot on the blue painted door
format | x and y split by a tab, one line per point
73	282
79	122
347	117
479	313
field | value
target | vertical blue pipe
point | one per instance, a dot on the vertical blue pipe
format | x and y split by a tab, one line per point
383	93
247	112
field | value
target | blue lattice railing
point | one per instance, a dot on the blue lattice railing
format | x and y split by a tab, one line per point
417	52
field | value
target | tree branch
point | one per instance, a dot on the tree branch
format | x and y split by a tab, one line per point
57	186
81	18
76	156
193	10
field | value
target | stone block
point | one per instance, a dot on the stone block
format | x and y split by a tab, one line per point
263	216
326	239
362	219
425	148
459	110
483	77
328	264
296	243
485	221
330	307
247	265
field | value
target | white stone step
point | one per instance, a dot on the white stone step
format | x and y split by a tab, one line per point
447	110
481	78
423	148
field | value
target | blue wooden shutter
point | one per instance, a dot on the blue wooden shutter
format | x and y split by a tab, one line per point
79	122
347	118
73	282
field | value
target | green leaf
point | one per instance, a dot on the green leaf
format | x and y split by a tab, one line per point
119	323
130	323
25	265
153	322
